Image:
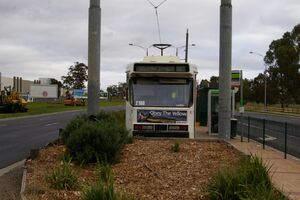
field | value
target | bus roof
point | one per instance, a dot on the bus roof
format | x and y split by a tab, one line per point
161	59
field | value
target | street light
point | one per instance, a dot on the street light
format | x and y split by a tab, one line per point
177	48
265	75
144	48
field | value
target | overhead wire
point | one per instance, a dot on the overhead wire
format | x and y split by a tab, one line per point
157	17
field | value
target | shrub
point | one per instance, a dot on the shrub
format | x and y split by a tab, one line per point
97	140
63	177
249	180
104	188
73	125
77	122
176	147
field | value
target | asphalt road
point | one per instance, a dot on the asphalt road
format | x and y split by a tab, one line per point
274	131
18	136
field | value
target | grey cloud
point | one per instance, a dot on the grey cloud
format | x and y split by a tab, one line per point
40	38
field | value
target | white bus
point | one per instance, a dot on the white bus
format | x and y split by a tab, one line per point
161	99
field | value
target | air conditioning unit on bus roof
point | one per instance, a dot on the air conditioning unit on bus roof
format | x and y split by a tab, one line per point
161	59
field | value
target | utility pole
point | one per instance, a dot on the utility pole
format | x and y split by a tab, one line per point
225	69
187	45
94	57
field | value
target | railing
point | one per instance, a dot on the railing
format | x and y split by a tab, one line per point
282	136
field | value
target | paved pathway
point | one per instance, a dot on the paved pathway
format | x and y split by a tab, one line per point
285	172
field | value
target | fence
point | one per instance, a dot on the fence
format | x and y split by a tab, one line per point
282	136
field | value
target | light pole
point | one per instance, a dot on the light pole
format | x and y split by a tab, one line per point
265	76
177	48
144	48
94	39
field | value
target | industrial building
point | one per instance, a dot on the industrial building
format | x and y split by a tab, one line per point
20	85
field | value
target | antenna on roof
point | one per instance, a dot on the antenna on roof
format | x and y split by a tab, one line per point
157	18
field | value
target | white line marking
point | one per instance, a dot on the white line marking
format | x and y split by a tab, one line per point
52	124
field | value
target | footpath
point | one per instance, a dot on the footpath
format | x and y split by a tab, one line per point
285	173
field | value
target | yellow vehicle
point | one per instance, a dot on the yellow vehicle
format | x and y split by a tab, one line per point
11	101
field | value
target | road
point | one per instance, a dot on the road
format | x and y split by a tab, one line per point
274	131
18	136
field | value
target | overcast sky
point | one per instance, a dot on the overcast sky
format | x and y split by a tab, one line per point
42	38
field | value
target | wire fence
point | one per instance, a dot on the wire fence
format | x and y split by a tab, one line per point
282	136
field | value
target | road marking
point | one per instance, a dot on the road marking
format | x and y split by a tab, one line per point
52	124
268	138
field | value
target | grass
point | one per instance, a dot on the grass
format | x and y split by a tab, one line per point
104	189
63	177
248	180
176	147
36	108
291	110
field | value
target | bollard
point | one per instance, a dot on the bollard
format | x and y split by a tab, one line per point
264	133
285	140
248	129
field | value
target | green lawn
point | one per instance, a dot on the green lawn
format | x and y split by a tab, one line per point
35	108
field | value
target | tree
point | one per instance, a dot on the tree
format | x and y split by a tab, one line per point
76	76
53	81
204	84
214	82
283	61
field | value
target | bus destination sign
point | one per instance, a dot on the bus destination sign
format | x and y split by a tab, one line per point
161	116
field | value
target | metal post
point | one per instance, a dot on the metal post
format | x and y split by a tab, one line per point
186	45
264	133
285	140
94	56
265	85
248	129
225	68
242	131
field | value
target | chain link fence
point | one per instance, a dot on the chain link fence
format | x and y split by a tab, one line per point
282	136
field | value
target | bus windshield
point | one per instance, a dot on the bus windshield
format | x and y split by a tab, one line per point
161	92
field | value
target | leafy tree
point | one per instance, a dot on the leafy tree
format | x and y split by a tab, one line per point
76	76
283	61
53	81
214	82
204	83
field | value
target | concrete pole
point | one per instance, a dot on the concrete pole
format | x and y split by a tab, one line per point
94	57
225	69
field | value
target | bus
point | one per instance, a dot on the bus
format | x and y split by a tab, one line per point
161	97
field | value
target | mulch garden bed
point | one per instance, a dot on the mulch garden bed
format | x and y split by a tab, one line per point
148	169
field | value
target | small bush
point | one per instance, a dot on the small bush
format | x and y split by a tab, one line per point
77	122
73	125
63	177
176	147
97	140
249	180
104	188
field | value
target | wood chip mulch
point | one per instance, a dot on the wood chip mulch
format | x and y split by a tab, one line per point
148	169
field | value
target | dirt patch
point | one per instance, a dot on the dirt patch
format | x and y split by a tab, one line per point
148	169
